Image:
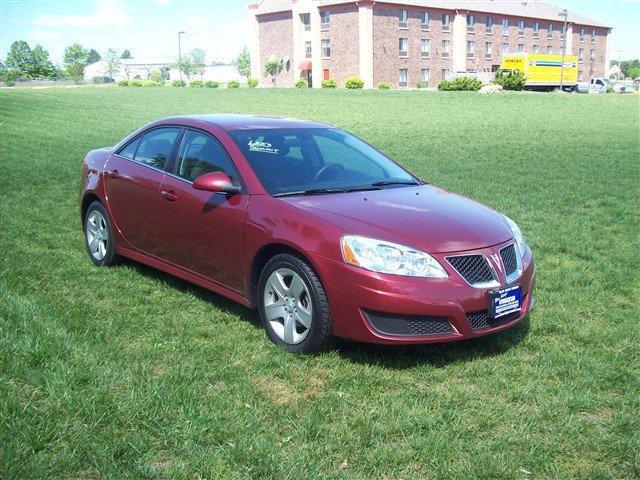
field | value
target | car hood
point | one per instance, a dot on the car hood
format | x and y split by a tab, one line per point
425	217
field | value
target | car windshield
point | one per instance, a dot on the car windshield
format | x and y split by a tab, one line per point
301	161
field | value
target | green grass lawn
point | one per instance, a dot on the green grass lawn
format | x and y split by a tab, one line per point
128	373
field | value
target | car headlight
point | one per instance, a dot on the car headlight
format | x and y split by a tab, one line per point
387	257
517	235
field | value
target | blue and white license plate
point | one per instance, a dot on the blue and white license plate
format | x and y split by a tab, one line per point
505	301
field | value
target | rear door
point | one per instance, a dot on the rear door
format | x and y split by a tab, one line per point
132	180
204	230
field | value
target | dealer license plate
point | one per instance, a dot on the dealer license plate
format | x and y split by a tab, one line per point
505	301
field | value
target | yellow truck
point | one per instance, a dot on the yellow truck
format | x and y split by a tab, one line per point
543	71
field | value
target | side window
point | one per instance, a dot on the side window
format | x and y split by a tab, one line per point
155	146
335	152
200	153
130	149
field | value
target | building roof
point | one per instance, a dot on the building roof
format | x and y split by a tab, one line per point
517	8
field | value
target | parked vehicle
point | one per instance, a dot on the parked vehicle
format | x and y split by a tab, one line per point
595	85
544	72
320	231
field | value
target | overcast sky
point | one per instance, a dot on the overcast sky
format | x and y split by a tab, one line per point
148	28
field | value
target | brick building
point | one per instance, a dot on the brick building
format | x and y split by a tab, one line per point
410	41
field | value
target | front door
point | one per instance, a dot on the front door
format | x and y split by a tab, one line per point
132	182
204	230
309	78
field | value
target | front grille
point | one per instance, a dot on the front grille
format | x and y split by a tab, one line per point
474	269
409	326
509	259
480	320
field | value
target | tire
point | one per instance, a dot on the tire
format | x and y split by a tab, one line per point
96	221
294	304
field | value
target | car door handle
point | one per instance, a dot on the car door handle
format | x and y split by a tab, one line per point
112	173
169	195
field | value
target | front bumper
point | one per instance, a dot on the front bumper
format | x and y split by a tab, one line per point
391	309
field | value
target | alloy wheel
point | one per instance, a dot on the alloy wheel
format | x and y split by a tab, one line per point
287	305
97	235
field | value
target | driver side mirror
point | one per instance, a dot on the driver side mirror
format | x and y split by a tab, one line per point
217	182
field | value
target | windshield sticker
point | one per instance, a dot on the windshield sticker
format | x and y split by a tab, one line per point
265	147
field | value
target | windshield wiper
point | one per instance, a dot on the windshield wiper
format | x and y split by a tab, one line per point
311	191
397	181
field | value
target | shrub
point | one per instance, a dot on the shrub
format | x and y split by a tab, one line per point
461	84
301	83
233	84
178	83
510	79
330	83
151	83
101	79
354	83
422	84
156	76
211	84
196	84
123	83
252	82
135	83
384	86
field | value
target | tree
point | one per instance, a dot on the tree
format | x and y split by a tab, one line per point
22	61
187	66
93	56
243	62
75	59
633	72
126	54
273	68
198	57
113	63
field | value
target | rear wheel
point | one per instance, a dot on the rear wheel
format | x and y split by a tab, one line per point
293	305
99	239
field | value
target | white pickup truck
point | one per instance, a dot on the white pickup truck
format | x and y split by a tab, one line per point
595	85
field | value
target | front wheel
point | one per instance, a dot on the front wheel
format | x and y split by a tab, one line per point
293	305
99	239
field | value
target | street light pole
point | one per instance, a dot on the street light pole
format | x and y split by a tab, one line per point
180	56
564	14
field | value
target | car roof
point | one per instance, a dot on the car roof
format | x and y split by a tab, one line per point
245	122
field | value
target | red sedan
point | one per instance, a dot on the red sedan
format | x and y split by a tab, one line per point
321	232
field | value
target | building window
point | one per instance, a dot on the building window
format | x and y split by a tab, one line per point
582	34
550	30
425	20
424	75
549	50
471	48
446	21
580	55
591	54
307	49
536	29
306	20
520	47
504	48
326	18
445	49
536	49
521	28
488	23
402	77
326	48
471	23
505	26
593	35
488	49
445	73
402	47
424	48
403	18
